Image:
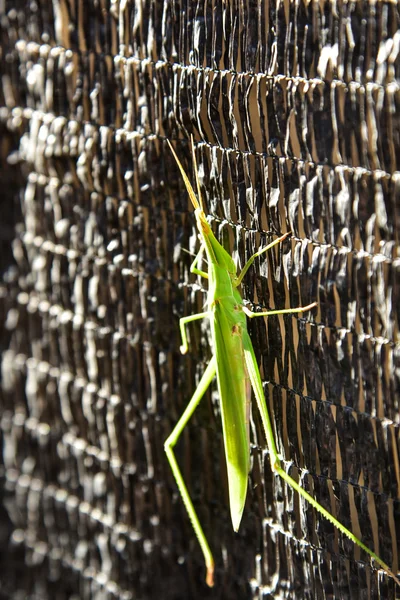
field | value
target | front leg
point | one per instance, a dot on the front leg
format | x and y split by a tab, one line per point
194	269
279	240
182	322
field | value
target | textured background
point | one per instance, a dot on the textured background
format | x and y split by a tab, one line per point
295	111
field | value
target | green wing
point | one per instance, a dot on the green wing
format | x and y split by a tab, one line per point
234	391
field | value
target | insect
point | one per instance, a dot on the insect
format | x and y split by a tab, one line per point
234	364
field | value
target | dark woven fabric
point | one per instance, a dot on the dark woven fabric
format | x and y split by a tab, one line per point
295	112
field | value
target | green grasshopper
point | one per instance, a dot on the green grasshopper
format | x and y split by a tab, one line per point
234	363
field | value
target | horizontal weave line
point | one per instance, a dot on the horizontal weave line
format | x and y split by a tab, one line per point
42	366
59	248
310	546
45	306
33	48
67	315
63	496
89	450
87	571
39	547
27	113
382	258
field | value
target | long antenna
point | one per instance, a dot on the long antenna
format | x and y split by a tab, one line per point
188	185
196	174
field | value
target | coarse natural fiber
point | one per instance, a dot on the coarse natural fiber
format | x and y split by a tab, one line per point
295	110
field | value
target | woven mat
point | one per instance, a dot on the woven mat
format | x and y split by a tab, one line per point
294	108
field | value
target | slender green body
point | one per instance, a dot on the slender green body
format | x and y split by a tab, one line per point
228	324
235	366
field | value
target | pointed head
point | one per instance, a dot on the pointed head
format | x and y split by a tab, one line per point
215	252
